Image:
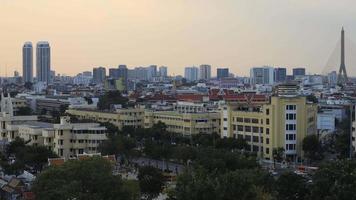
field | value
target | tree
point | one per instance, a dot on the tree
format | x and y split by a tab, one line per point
312	147
342	145
291	186
34	156
151	182
278	154
335	181
110	98
89	179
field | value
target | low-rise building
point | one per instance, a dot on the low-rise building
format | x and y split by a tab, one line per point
122	117
185	123
281	123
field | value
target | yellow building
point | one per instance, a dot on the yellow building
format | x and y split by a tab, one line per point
281	123
133	117
185	123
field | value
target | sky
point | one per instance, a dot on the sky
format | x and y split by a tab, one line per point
238	34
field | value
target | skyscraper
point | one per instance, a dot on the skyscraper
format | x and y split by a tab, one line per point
298	72
222	73
204	72
43	62
163	71
27	62
191	73
123	75
114	73
99	75
262	75
280	74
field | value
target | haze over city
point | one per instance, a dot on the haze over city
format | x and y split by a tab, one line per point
238	34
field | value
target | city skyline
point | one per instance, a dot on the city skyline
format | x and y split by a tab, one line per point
230	34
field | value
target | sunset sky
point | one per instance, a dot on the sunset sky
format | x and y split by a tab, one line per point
238	34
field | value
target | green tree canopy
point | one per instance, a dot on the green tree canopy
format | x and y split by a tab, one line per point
151	182
90	179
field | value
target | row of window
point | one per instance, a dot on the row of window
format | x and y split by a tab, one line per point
252	129
290	147
291	116
291	127
291	107
291	136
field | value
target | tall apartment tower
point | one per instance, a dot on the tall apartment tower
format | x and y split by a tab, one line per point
27	62
204	72
222	73
43	62
99	75
191	73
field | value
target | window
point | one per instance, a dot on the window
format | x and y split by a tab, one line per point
225	119
267	150
234	127
291	107
255	138
261	130
255	148
247	120
239	119
291	127
254	120
267	121
290	136
240	128
225	128
291	116
248	138
267	140
267	111
290	147
255	129
267	131
247	128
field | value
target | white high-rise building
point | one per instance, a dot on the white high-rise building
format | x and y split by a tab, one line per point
43	62
27	62
262	75
191	73
204	72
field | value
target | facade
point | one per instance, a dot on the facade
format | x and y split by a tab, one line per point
163	71
27	62
281	123
123	76
99	75
298	72
280	75
43	62
222	73
114	73
122	117
262	75
204	72
185	123
151	72
191	74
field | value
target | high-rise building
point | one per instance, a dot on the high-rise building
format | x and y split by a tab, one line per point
43	62
204	72
222	73
27	62
151	72
163	71
114	73
123	75
262	75
280	74
99	75
298	72
191	73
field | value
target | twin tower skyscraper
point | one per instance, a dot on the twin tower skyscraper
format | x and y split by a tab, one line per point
43	62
